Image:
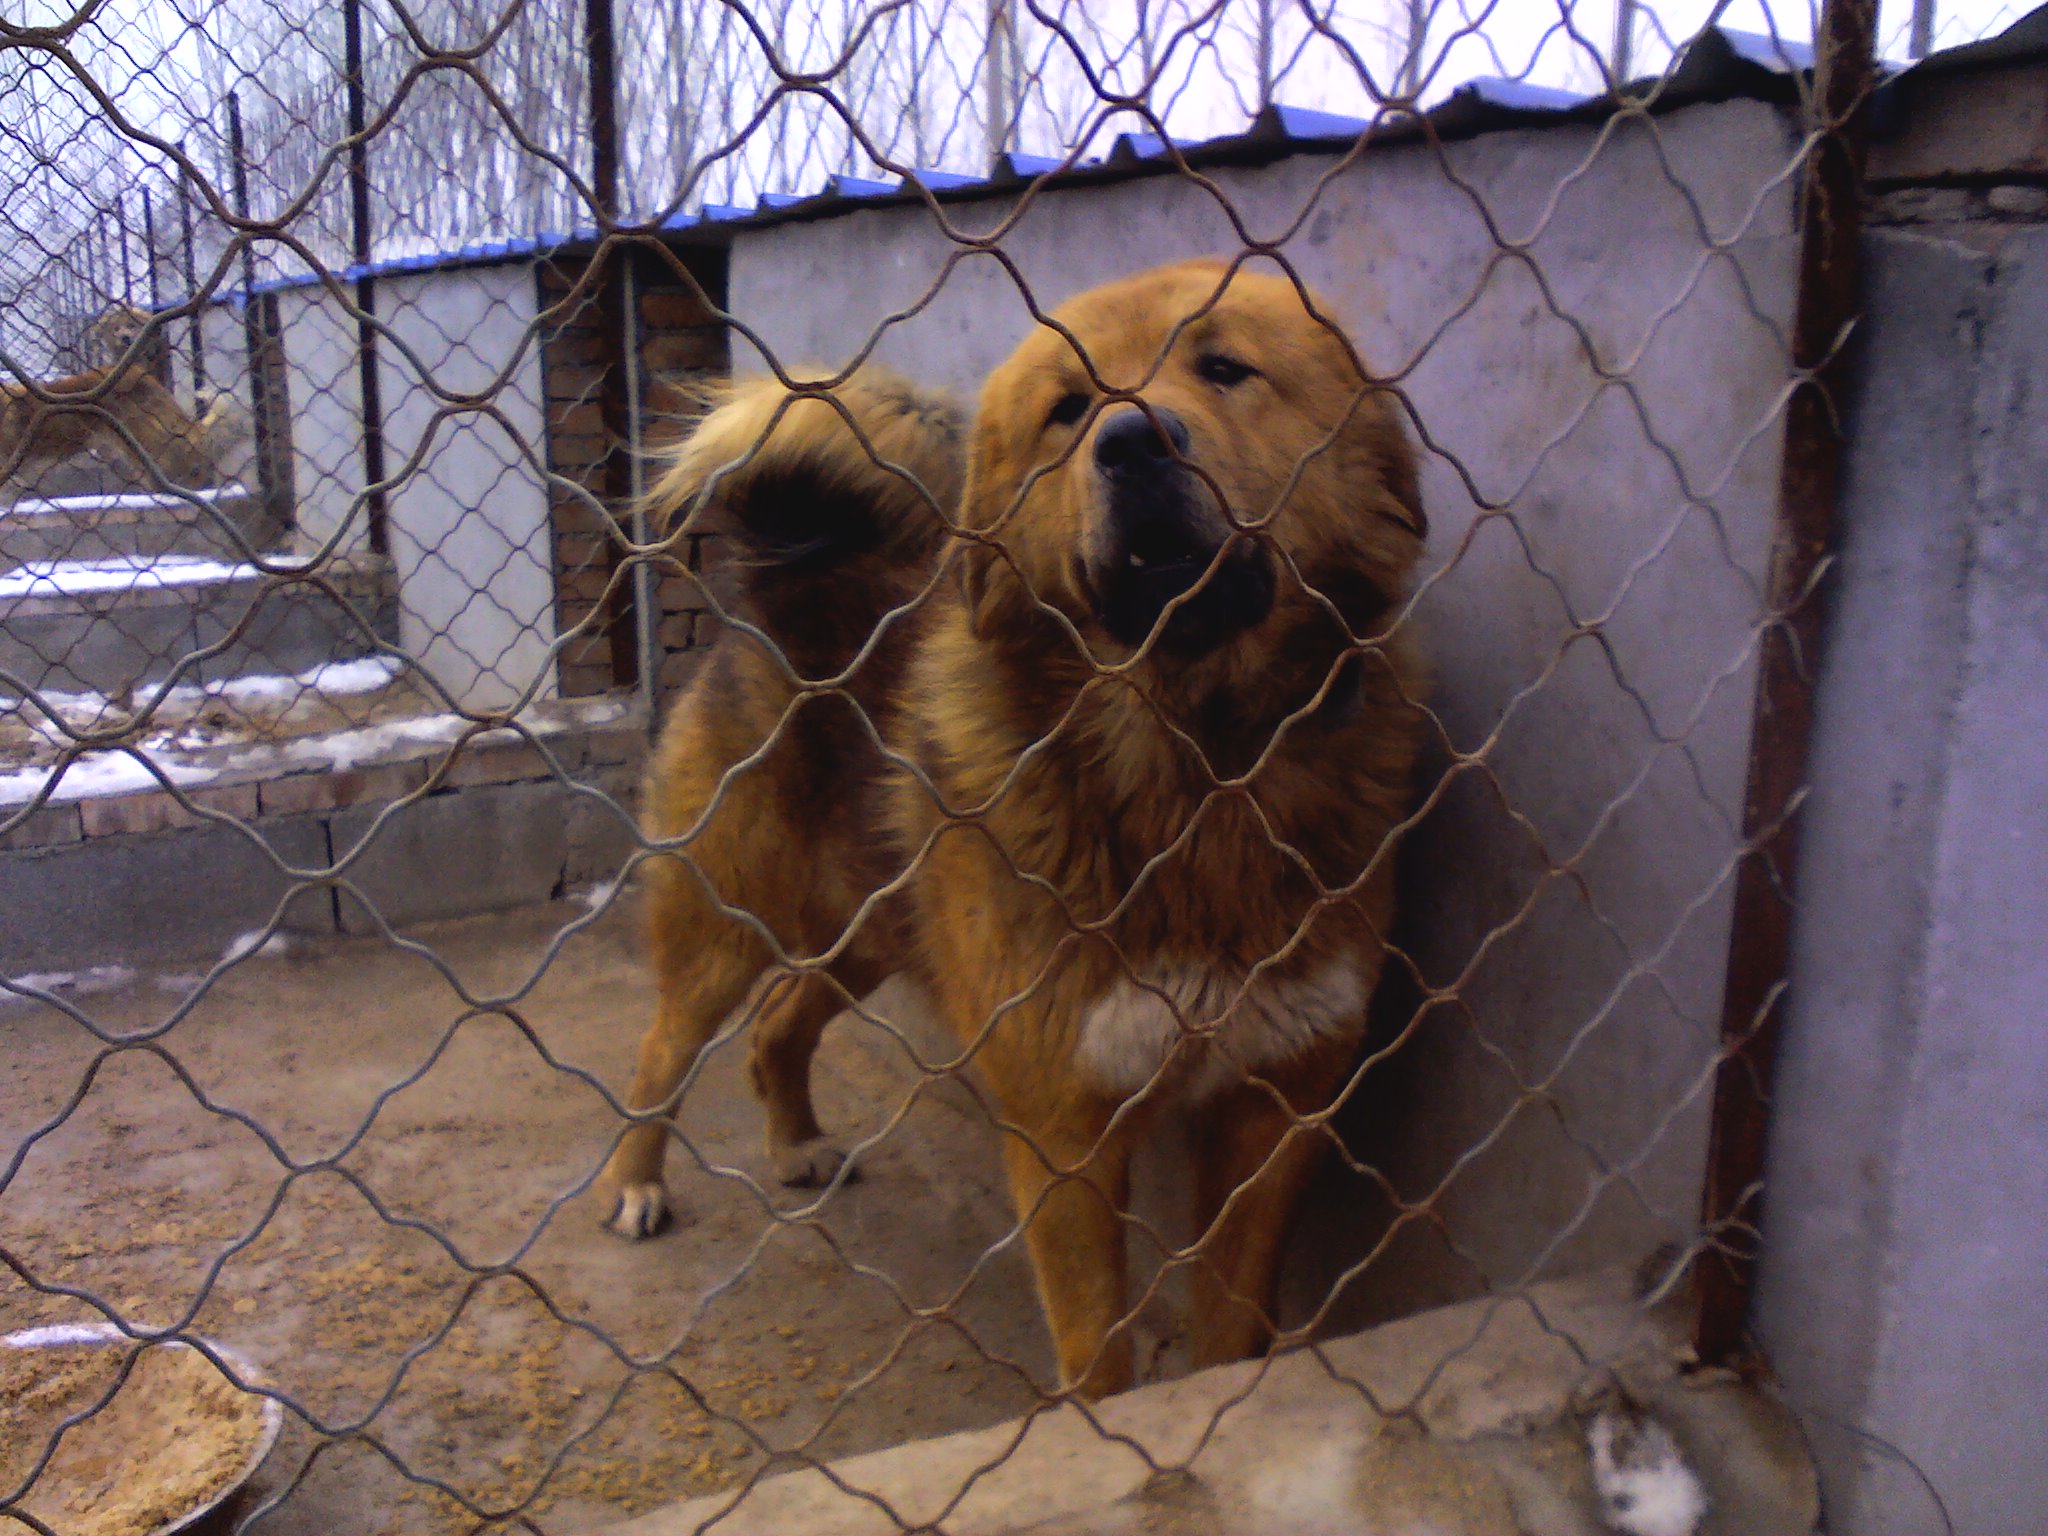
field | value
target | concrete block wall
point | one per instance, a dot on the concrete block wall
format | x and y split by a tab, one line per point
1904	1296
1592	578
422	831
468	510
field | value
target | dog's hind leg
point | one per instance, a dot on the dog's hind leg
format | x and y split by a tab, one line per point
705	963
784	1041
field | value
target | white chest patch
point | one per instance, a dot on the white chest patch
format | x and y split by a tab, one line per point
1214	1026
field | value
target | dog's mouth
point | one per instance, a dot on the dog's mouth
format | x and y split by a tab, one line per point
1158	554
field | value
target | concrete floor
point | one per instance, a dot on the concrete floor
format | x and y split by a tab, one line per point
504	1383
1470	1420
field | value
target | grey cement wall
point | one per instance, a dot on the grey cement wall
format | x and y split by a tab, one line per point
1593	590
1905	1283
470	535
325	387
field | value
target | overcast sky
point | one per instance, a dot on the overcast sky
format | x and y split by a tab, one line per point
700	119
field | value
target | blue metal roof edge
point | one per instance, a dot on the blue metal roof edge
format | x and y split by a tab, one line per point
1718	63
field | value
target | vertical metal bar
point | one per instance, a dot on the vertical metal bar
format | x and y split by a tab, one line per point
93	287
255	342
994	56
1921	43
367	382
1624	59
621	629
1759	951
159	341
1418	39
192	288
156	292
127	270
646	588
1265	53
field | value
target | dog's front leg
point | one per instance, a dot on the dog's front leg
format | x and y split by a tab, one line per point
1252	1172
1070	1178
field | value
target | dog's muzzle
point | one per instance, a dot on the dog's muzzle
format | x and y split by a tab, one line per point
1160	533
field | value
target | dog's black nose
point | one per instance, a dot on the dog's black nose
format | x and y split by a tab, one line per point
1135	442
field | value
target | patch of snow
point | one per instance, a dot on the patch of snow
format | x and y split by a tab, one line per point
91	775
332	679
594	897
124	573
175	981
96	978
124	501
253	945
366	674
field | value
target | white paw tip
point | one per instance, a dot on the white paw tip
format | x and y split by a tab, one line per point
642	1211
1645	1487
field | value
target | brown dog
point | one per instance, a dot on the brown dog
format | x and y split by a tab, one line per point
1158	734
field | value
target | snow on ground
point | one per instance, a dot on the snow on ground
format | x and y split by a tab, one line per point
123	501
95	978
121	772
122	573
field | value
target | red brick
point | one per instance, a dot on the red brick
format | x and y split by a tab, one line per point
574	550
349	786
674	309
498	763
45	828
581	682
693	351
156	811
614	744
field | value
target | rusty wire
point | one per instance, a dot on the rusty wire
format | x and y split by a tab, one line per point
478	127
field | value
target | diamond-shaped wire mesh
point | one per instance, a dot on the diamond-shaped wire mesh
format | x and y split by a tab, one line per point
343	347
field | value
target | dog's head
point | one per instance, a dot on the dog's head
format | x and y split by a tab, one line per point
1190	460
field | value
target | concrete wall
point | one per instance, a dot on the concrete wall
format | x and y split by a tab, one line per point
1593	587
325	386
1905	1283
468	516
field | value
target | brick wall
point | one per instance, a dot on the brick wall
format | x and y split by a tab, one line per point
678	338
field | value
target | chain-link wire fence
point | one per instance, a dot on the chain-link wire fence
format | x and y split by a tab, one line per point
1313	748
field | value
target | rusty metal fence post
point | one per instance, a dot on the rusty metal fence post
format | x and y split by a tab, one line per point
608	271
360	251
1760	942
271	413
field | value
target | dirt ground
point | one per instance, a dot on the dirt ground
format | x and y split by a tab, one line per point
480	1340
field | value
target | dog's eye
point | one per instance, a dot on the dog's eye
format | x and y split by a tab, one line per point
1069	409
1226	371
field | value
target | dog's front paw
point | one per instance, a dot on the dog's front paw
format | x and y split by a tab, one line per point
811	1164
641	1210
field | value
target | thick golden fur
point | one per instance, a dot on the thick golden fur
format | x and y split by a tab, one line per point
1161	732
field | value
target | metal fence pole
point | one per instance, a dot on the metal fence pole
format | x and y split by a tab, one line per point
191	288
1759	951
1624	40
268	419
159	347
1409	83
614	404
998	57
127	267
372	400
1921	41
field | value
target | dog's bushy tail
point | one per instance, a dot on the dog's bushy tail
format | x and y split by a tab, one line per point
807	483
